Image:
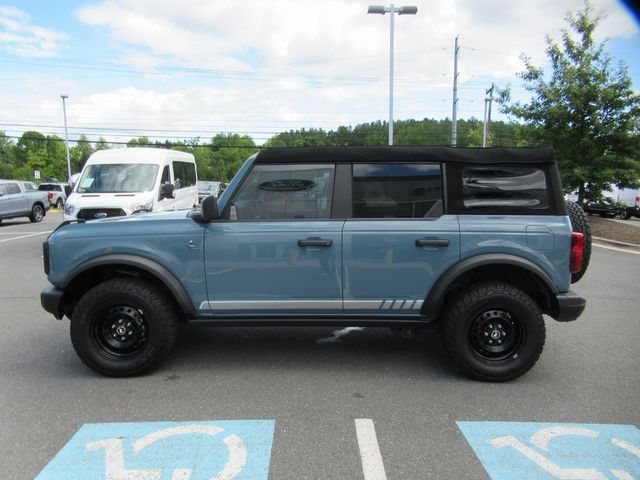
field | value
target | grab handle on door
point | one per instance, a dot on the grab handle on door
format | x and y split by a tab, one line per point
315	243
432	243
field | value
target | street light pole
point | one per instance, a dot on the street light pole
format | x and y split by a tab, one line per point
64	96
381	10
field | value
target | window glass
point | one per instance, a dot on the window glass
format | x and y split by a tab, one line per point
118	178
184	174
511	187
3	189
397	191
12	188
285	191
166	176
29	187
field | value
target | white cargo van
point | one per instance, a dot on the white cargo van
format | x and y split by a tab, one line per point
123	181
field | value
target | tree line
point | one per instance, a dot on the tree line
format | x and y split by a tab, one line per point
221	156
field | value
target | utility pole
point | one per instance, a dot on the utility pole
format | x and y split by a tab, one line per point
454	115
487	114
64	96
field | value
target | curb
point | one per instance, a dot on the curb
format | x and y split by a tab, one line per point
615	243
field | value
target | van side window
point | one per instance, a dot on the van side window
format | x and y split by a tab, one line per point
272	192
397	190
166	177
184	174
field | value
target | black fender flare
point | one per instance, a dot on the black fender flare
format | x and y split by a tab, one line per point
143	263
435	298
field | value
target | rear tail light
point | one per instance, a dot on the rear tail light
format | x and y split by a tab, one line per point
638	201
577	252
49	195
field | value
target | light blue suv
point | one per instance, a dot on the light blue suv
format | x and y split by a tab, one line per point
478	241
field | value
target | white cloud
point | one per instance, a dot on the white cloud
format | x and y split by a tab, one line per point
18	36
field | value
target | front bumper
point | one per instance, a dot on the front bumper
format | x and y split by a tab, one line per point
570	306
51	301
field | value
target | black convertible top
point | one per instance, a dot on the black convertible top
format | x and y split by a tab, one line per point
384	154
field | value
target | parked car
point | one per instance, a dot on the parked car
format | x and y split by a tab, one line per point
605	207
22	199
478	241
206	188
629	198
121	182
56	192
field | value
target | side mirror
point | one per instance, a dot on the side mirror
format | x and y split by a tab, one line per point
210	208
166	191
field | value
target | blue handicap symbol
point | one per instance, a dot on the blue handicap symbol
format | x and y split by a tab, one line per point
547	451
211	450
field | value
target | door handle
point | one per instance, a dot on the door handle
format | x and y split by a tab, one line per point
432	243
315	243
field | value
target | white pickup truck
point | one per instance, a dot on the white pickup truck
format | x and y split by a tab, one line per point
22	199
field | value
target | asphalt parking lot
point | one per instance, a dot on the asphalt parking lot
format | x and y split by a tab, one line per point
328	406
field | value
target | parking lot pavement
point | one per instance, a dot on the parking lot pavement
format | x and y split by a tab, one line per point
285	403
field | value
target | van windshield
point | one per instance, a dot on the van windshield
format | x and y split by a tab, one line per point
118	178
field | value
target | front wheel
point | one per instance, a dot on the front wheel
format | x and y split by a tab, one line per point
493	331
123	327
625	215
37	214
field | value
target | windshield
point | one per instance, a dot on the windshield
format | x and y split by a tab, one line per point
118	178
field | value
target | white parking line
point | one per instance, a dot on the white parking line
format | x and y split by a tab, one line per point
615	249
25	236
372	465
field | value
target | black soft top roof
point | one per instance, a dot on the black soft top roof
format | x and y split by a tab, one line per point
384	154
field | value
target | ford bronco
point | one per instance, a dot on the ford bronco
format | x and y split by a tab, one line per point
476	241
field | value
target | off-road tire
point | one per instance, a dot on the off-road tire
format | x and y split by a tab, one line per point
515	310
580	224
37	213
138	302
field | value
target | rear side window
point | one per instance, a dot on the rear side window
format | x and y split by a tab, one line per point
274	192
184	174
29	187
12	188
397	190
504	187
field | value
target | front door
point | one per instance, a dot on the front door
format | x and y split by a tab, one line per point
279	252
398	241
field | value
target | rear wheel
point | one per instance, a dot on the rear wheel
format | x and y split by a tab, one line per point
37	213
625	215
59	204
580	224
123	327
493	331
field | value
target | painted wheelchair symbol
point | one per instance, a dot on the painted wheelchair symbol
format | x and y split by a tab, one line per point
543	437
114	454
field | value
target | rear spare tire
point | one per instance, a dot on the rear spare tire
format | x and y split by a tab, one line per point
580	224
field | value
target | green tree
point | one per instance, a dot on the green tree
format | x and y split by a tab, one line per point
585	108
80	153
7	158
228	151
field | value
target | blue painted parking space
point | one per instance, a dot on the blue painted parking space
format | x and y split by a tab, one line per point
211	450
546	451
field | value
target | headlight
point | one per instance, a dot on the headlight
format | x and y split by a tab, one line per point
69	209
142	207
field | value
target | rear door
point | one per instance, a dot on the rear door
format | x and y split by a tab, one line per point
279	251
397	242
14	201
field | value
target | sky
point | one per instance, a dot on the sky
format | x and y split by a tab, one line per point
194	68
